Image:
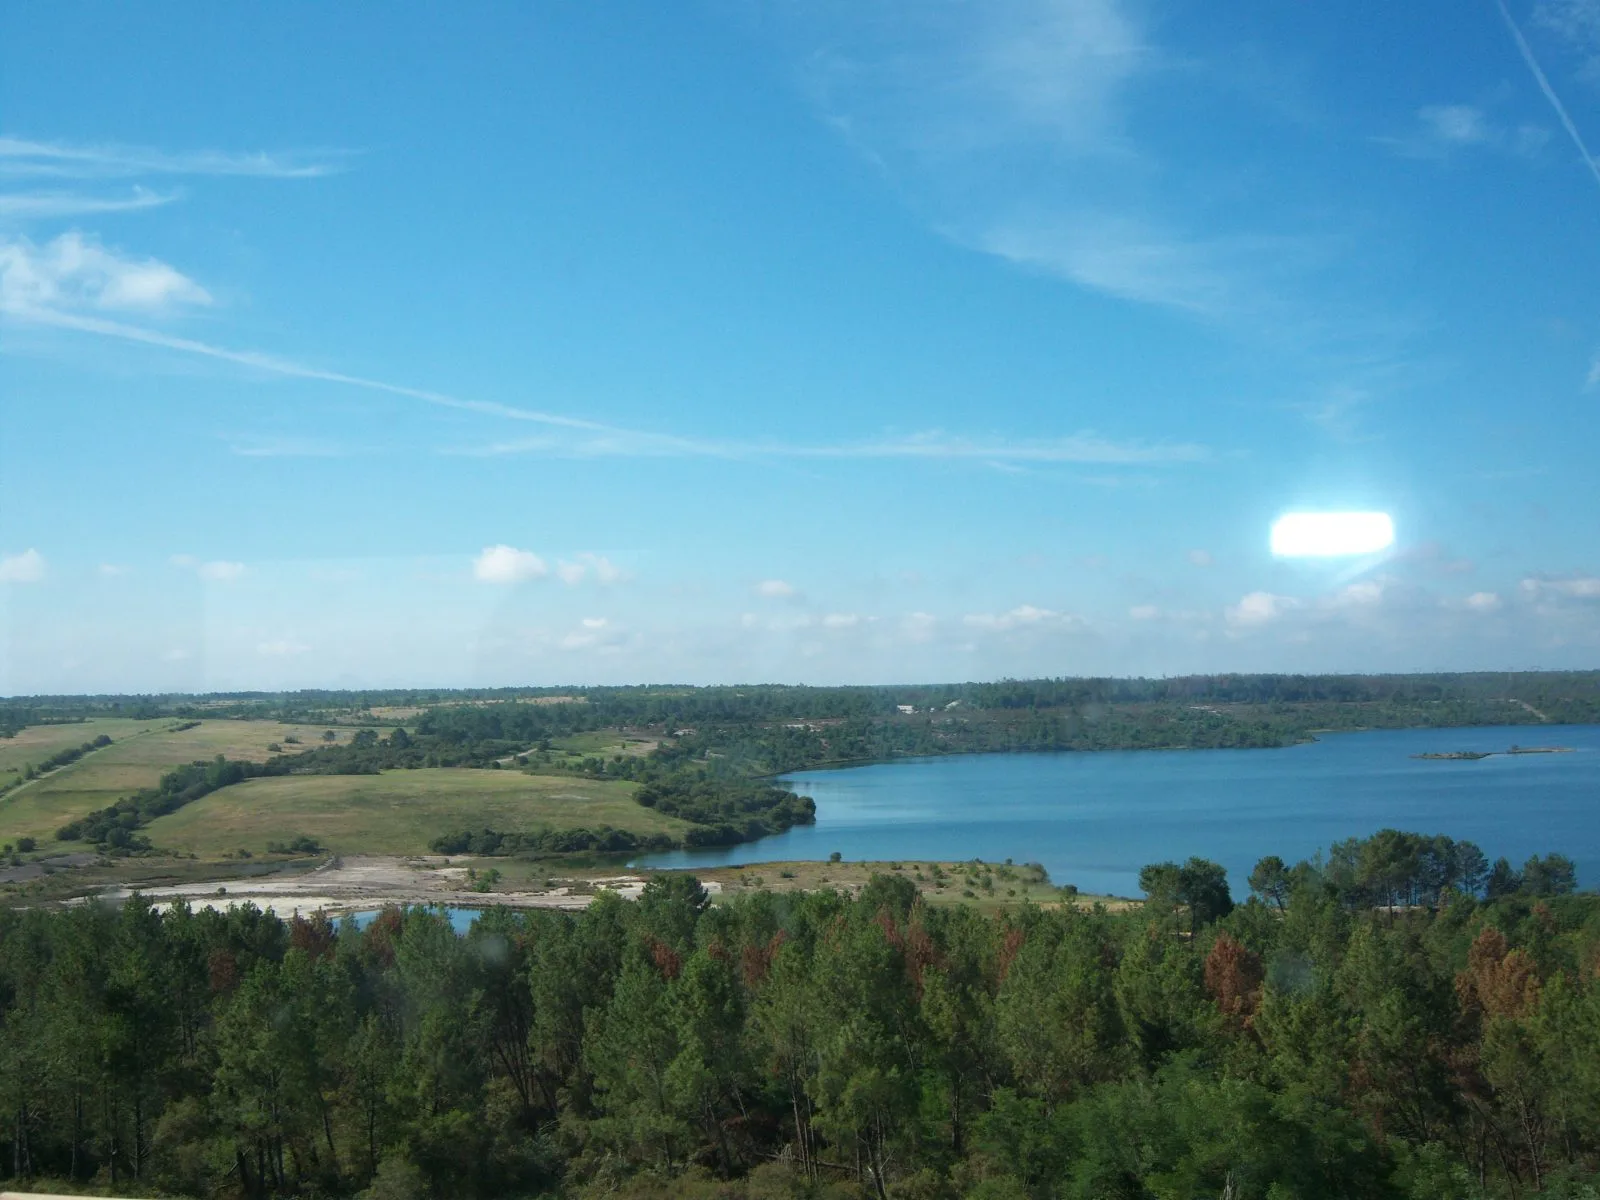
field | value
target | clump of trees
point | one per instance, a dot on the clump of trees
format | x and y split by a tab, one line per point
603	839
1393	869
726	810
801	1045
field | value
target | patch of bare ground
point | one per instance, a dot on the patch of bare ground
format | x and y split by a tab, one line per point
365	882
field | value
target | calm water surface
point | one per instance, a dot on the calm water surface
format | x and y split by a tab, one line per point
1095	819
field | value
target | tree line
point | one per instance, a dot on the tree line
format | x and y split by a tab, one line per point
1303	1044
1570	696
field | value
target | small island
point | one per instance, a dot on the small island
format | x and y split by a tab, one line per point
1475	755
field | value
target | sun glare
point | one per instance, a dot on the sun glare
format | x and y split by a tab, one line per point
1331	534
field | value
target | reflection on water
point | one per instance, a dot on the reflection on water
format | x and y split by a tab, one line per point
1095	819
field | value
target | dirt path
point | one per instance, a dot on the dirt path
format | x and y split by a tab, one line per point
1533	710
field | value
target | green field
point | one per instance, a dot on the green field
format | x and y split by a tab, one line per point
398	812
139	754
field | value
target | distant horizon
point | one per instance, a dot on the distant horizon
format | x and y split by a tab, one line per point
557	688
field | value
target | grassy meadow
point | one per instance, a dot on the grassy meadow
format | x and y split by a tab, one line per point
141	751
397	812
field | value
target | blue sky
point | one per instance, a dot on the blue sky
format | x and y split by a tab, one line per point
859	341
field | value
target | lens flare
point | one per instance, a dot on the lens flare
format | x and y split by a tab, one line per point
1331	534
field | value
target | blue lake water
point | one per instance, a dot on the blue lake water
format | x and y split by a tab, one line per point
1093	819
461	919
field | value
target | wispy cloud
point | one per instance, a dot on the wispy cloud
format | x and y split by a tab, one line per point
1549	92
588	565
1443	129
1024	616
1086	447
1134	259
1082	448
1012	128
221	571
285	447
26	157
1577	23
25	206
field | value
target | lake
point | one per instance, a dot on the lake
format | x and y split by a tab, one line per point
1093	819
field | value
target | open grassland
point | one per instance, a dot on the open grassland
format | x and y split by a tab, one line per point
398	812
38	742
141	751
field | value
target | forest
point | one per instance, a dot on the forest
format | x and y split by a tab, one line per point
1399	1018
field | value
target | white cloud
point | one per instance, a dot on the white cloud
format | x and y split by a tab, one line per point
1259	608
594	633
177	654
1144	612
841	620
1593	378
220	571
73	272
282	648
1140	260
24	157
27	567
1562	589
285	447
1023	616
775	589
1443	129
183	561
1459	124
34	206
1201	558
1365	594
605	572
1483	602
507	564
1083	447
919	626
110	570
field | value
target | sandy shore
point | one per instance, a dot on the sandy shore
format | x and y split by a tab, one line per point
372	881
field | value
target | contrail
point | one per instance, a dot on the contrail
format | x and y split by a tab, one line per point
1084	447
280	366
1549	92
